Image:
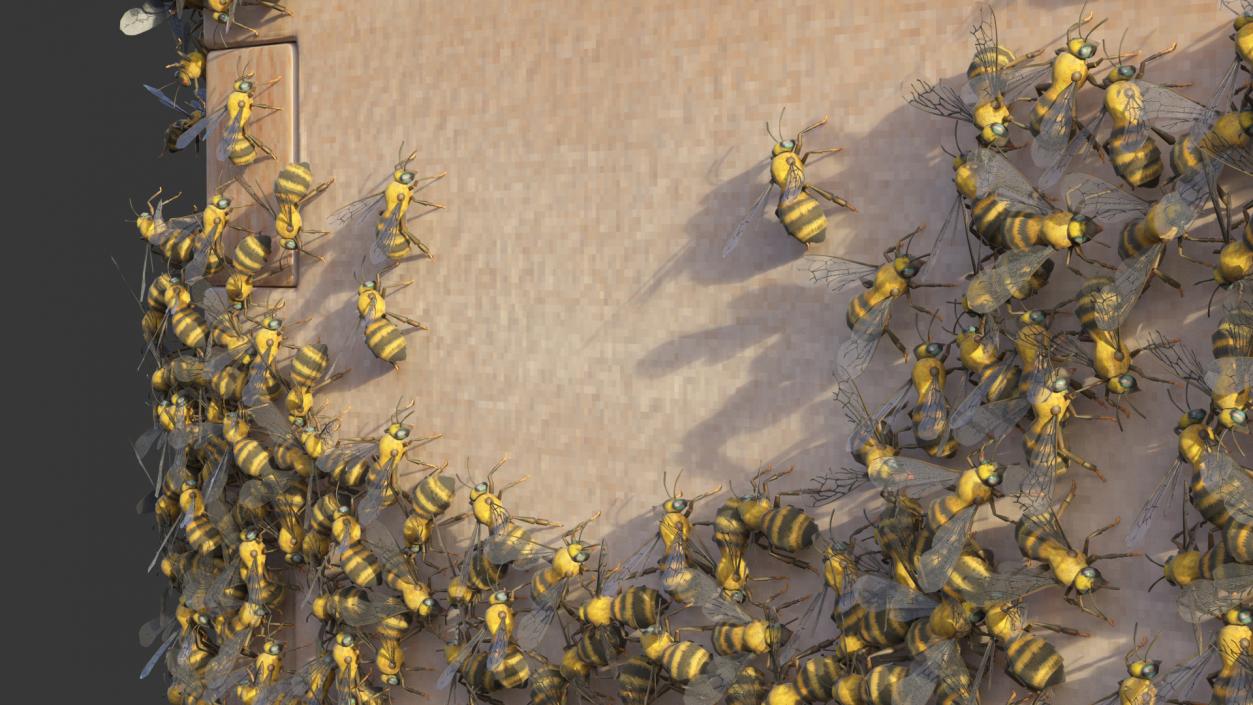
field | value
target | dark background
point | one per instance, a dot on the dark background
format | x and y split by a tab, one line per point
75	554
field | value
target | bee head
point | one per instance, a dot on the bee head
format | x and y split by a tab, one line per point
783	147
1144	669
1081	229
1088	580
1233	418
1081	48
989	474
1122	384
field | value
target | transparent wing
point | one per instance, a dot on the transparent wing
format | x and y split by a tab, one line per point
1143	520
380	481
996	174
1180	680
937	562
156	656
231	133
632	566
879	594
1008	586
939	665
532	626
754	212
837	273
221	668
1167	109
898	473
498	648
197	129
995	285
1078	145
713	682
1036	495
932	412
854	354
939	100
164	99
341	455
1202	600
992	420
1101	201
1055	129
387	230
1224	477
1231	375
450	672
974	399
1114	302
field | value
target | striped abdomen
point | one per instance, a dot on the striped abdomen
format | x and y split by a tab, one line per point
1139	166
433	495
684	660
1001	227
242	151
803	218
361	566
636	681
748	688
202	534
882	685
816	678
788	528
636	607
250	456
252	253
1034	663
1135	238
309	364
189	326
385	341
293	183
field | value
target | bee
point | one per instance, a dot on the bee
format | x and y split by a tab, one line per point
675	532
930	414
353	607
750	687
293	188
431	498
634	607
267	669
507	539
548	586
392	237
784	528
401	575
352	556
869	313
192	115
1044	443
705	675
236	144
995	78
1054	113
637	681
798	211
1040	537
382	455
1193	434
1229	399
309	370
503	661
190	66
382	337
882	685
951	516
206	236
1215	591
223	12
871	440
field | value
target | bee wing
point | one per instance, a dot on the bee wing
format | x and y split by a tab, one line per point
1202	600
531	627
1143	520
973	400
346	454
372	501
164	99
940	100
1101	201
898	473
198	128
1230	375
450	672
1180	680
218	673
1078	144
138	20
939	664
937	562
754	211
631	567
156	655
712	683
932	411
1237	155
254	389
879	594
1055	129
992	420
1165	108
836	272
1113	303
993	286
1036	494
231	133
498	648
996	174
1008	586
1225	478
854	354
387	229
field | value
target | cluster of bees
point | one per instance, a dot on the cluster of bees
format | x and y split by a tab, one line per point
269	516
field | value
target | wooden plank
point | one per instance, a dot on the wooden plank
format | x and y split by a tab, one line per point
275	129
271	27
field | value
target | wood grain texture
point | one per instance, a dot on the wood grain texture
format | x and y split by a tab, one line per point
276	129
582	319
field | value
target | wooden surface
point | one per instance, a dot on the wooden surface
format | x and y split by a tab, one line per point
275	129
271	28
581	317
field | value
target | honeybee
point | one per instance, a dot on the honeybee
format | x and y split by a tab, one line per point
192	114
705	675
869	313
293	188
548	586
798	211
392	237
382	337
235	143
223	12
675	527
1054	113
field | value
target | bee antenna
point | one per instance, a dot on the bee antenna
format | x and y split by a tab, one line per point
781	111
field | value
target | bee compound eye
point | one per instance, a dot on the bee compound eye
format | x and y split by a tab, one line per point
481	487
993	480
1239	416
998	129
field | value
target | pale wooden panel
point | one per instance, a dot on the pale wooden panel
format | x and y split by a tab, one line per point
276	129
271	27
582	319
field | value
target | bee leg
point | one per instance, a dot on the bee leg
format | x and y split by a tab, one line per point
262	146
1055	628
830	150
897	342
1088	539
406	320
830	197
1164	135
1080	461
